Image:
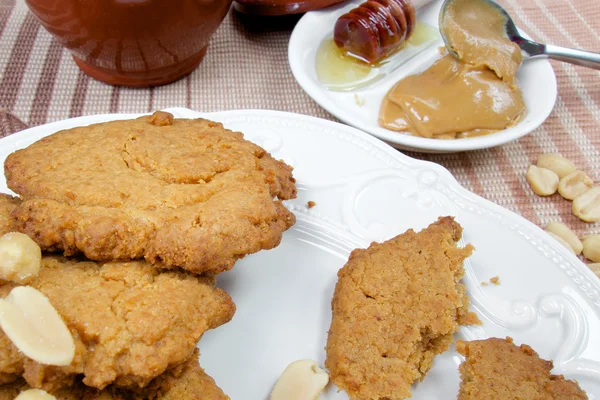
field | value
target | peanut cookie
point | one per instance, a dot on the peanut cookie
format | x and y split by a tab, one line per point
130	322
497	369
395	307
185	382
177	192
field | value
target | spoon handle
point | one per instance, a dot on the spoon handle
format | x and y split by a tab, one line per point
584	58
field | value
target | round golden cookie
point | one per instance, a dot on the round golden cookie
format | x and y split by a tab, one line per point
130	322
186	381
177	192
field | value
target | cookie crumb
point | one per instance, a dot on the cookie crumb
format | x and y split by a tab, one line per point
358	100
495	280
161	118
484	284
311	204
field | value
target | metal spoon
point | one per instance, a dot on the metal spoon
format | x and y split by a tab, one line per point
530	48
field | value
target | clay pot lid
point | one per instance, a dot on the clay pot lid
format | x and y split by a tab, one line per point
280	7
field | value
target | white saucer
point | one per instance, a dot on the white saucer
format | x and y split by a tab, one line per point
360	108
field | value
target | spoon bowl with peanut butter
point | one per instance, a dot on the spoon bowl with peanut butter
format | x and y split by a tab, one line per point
477	14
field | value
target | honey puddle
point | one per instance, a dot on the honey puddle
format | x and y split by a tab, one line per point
340	72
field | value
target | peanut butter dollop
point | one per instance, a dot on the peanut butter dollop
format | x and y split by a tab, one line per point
476	31
470	96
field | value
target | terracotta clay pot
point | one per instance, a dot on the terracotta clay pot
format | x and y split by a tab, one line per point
136	43
280	7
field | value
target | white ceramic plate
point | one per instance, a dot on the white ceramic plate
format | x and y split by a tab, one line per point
365	191
535	77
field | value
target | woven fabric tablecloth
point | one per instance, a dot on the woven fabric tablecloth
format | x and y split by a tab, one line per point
248	68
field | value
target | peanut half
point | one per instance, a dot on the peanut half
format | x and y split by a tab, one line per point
20	257
301	380
561	241
595	267
35	327
34	394
544	182
587	205
560	165
591	248
566	234
574	184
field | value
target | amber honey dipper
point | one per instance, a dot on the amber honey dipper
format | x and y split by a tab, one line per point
376	28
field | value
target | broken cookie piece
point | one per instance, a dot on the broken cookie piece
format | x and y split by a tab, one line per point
178	192
497	369
395	307
130	322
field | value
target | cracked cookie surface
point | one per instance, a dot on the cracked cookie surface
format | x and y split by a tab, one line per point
497	369
396	306
177	192
185	382
130	321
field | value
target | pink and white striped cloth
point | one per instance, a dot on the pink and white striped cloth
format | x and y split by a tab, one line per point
247	67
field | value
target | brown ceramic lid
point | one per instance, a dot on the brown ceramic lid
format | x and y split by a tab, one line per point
280	7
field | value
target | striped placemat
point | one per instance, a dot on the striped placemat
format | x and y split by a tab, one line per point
247	67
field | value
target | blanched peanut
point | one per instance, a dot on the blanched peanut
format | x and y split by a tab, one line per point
574	184
35	327
34	394
20	257
595	267
560	165
544	182
301	380
587	206
591	248
566	234
562	241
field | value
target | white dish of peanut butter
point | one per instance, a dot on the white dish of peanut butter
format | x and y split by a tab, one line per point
522	101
